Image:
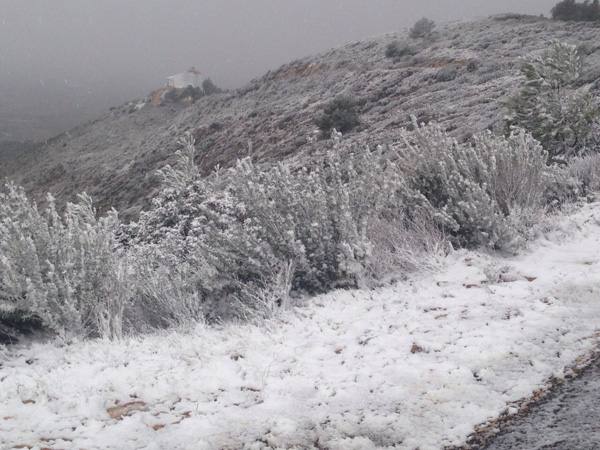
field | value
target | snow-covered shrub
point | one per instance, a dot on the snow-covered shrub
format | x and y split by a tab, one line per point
341	114
165	287
61	270
586	170
248	235
398	50
446	74
562	187
482	193
549	106
403	244
317	218
422	28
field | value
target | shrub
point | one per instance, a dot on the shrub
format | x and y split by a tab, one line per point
398	50
210	88
548	105
404	244
572	10
586	170
472	65
482	193
340	114
61	270
446	74
250	234
165	285
561	187
183	94
422	28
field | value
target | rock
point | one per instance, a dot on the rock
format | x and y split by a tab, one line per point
509	277
119	411
416	348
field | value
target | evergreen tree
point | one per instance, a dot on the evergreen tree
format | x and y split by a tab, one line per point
548	105
571	10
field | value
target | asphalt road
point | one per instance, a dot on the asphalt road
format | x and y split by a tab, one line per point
569	419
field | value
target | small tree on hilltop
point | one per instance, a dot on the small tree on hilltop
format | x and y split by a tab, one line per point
571	10
209	88
549	105
422	28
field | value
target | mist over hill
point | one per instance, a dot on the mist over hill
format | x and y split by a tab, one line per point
64	63
459	78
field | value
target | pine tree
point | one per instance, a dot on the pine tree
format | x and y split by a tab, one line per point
549	105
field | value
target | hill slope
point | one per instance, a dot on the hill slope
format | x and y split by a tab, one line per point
459	78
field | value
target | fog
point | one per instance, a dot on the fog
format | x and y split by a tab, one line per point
66	61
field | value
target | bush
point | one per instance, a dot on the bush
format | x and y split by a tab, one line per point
572	10
61	270
209	88
251	235
482	193
586	171
446	74
561	187
422	28
340	114
548	105
398	50
188	93
404	244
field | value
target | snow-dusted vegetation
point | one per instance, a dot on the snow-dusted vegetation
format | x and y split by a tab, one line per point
561	115
61	270
252	259
415	364
239	242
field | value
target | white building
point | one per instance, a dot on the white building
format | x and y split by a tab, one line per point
184	79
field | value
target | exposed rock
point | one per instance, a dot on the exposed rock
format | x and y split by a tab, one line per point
125	409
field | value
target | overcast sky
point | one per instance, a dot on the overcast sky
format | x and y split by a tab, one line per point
57	55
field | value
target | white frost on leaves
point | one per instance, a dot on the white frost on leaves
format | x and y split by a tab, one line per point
418	364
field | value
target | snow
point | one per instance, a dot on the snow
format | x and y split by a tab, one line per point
416	364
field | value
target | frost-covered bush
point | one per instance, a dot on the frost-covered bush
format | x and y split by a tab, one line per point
561	187
341	114
446	74
167	287
248	235
586	170
482	193
318	218
398	50
422	28
404	244
61	269
557	114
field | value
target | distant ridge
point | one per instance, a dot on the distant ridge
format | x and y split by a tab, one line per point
459	77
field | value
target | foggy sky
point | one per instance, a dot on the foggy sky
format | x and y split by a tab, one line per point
69	60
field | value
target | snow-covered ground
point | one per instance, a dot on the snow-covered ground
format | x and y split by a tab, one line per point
418	364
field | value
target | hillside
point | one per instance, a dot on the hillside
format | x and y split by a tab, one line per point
459	77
